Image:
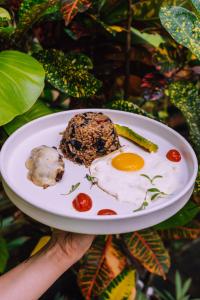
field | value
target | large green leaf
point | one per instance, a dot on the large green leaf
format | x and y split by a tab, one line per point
21	83
3	254
183	26
185	96
69	73
147	247
153	39
39	109
182	217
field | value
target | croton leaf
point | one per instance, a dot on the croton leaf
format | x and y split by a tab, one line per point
147	247
184	95
21	83
149	10
182	217
39	109
122	287
183	26
71	7
188	232
69	73
102	263
30	12
128	106
3	254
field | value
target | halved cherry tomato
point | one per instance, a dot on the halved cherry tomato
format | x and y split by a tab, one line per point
106	212
82	202
173	155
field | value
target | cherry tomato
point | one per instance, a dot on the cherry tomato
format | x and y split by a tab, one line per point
82	202
173	155
106	212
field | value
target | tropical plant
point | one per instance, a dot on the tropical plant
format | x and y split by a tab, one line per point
181	290
66	42
183	25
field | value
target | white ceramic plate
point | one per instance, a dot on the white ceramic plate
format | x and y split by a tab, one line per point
50	207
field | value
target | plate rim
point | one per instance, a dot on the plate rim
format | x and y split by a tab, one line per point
145	212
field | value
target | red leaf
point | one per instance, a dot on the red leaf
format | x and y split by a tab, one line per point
72	7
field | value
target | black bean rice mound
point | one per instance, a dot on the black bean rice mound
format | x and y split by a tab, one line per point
88	136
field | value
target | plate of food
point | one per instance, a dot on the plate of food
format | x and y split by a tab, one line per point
98	171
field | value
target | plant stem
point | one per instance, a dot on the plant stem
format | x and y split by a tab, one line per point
128	51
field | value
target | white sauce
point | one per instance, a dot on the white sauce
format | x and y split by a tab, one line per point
44	165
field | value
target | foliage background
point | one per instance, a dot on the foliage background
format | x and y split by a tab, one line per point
114	54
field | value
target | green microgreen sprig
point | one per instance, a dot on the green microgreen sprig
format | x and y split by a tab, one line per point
91	179
151	179
155	193
73	188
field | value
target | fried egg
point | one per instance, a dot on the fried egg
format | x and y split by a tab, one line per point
129	172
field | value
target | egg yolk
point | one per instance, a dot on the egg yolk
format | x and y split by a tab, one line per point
128	162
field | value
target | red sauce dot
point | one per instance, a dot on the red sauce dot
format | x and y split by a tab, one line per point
82	202
106	212
173	155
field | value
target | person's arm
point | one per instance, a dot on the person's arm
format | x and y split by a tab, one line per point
30	279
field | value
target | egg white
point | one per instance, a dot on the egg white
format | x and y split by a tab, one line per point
130	186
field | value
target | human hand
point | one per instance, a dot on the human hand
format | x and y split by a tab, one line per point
72	245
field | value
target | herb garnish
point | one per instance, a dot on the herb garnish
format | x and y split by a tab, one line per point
73	188
151	179
155	193
91	179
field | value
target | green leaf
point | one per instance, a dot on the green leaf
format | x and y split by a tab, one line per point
4	255
153	190
21	83
178	285
69	73
196	4
39	109
30	12
4	14
186	286
183	26
184	216
128	106
153	39
73	188
155	196
185	96
18	242
122	287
